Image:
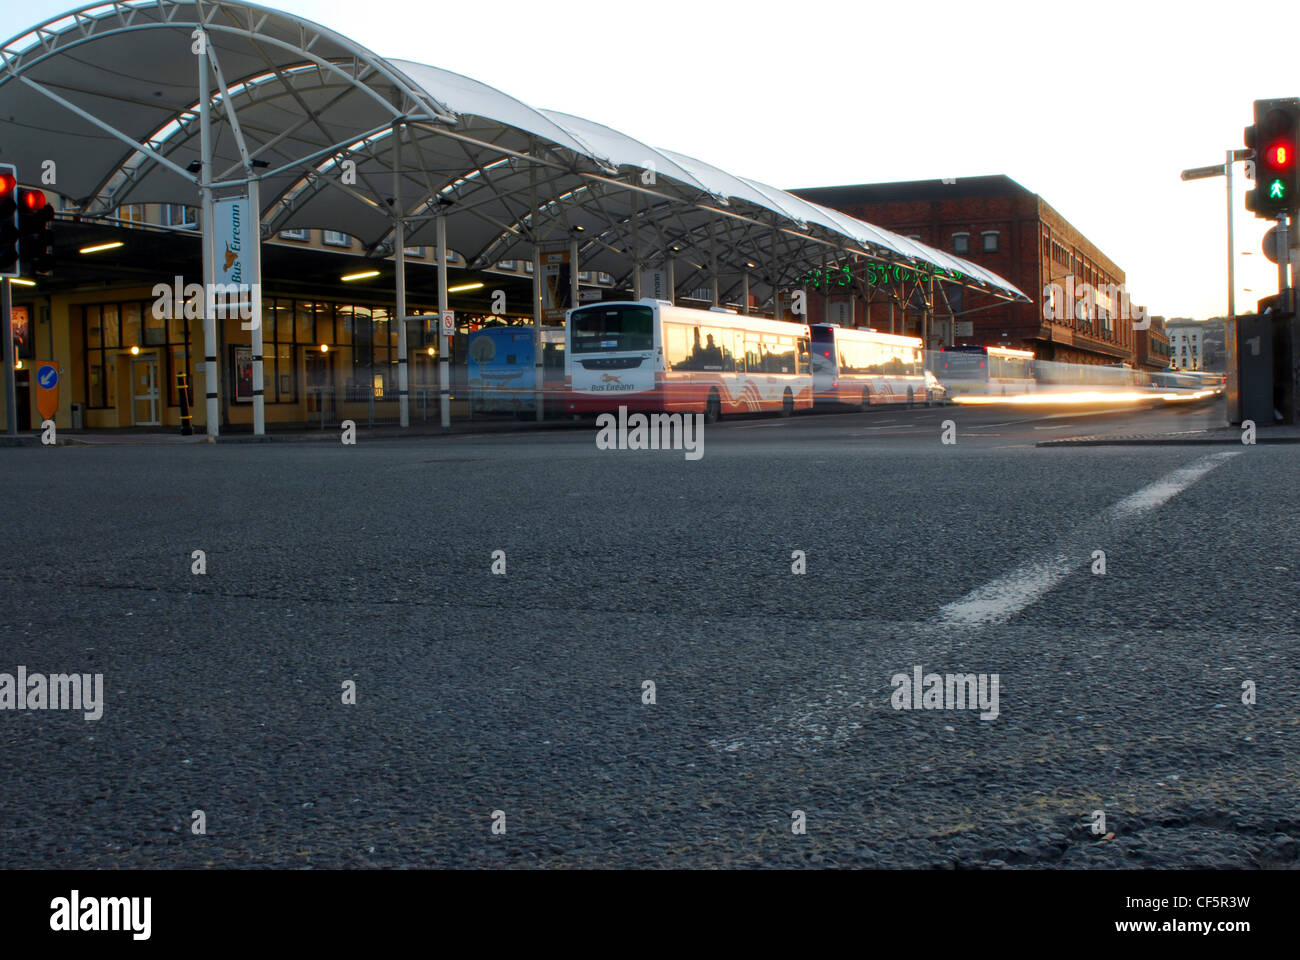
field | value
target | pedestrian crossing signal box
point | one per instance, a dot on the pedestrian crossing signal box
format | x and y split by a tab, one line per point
1263	366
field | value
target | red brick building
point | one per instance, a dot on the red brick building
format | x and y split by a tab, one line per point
1152	347
997	223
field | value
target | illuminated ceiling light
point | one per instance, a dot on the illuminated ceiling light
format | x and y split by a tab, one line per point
465	286
102	246
363	275
135	351
431	351
22	282
324	348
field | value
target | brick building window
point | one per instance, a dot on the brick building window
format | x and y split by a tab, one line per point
990	241
961	243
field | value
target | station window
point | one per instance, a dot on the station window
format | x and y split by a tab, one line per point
109	329
181	215
133	212
961	243
296	234
335	238
990	241
414	252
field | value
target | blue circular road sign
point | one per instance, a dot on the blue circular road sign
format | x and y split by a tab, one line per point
47	376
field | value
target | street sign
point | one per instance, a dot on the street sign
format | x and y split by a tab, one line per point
448	323
1270	245
47	390
1200	173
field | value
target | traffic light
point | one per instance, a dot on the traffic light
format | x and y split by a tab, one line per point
34	243
8	220
1275	138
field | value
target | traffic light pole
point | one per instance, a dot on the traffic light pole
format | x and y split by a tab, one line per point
1283	259
11	391
1232	282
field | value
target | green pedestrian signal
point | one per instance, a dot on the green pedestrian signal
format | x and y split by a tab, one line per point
1275	141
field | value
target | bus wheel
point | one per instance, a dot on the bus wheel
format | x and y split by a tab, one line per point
866	398
713	408
787	403
911	398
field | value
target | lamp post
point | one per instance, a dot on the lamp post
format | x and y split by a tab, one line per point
1224	170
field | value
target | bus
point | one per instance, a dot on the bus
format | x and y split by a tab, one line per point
651	355
501	373
986	370
863	367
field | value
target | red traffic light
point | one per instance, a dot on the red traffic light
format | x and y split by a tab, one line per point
1279	155
7	184
32	200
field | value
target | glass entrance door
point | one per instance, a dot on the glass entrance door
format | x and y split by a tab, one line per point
144	390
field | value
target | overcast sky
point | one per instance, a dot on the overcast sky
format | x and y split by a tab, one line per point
1097	106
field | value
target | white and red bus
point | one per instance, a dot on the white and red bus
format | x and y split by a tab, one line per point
986	370
862	368
653	356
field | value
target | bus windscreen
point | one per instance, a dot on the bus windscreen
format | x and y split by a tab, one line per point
958	365
612	329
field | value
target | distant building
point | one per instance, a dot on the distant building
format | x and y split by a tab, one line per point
1197	344
997	223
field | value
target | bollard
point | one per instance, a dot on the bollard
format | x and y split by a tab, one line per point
183	392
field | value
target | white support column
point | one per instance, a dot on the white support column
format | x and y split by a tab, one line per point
538	397
444	341
744	294
637	292
255	254
399	259
670	276
211	379
713	259
573	273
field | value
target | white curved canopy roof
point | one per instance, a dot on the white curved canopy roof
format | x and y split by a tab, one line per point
112	92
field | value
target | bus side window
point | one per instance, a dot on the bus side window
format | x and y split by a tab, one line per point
753	357
676	346
804	356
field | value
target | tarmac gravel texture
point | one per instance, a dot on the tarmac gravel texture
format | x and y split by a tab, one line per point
522	693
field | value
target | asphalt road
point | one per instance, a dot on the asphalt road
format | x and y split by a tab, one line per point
523	693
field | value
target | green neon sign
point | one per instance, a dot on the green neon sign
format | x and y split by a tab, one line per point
876	275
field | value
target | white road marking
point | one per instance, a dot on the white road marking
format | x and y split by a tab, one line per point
1003	598
836	715
1155	494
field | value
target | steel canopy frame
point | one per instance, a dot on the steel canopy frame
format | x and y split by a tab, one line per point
296	104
